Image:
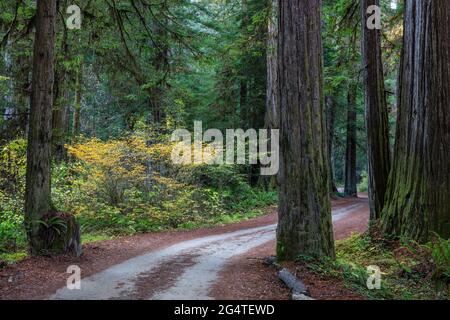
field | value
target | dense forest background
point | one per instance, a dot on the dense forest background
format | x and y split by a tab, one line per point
87	112
136	70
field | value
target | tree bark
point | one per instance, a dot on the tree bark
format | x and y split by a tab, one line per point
38	191
350	153
417	201
376	114
61	107
304	205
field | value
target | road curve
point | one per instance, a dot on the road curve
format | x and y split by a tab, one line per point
186	270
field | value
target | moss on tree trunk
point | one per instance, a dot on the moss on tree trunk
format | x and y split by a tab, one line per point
417	201
41	237
304	206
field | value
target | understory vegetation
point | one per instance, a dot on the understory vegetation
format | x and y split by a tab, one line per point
107	186
409	271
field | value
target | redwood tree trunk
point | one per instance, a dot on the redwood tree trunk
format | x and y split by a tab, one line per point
272	115
377	127
417	201
37	194
350	153
304	206
61	107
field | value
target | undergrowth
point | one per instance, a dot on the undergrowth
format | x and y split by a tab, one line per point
409	271
108	188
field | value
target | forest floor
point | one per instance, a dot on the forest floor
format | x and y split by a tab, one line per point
222	262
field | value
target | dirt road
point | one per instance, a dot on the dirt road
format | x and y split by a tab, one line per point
186	270
221	262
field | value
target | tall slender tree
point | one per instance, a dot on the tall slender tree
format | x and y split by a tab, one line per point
38	192
350	153
331	114
272	114
77	99
60	116
161	66
272	105
417	201
376	114
243	90
304	206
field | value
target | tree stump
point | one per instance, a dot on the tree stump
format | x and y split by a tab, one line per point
60	234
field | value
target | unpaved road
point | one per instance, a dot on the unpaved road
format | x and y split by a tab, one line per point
188	269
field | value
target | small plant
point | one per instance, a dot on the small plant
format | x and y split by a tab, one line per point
440	252
54	224
51	228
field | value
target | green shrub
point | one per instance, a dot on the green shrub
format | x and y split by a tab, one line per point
440	251
13	166
431	260
111	193
12	233
212	176
12	187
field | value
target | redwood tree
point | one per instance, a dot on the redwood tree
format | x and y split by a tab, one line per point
77	100
38	191
350	150
377	127
44	226
305	225
417	201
